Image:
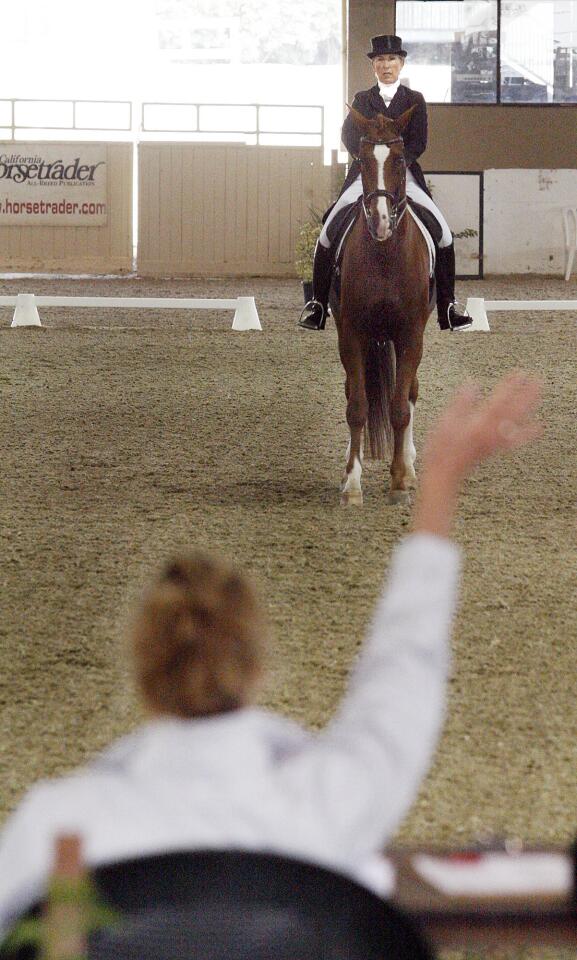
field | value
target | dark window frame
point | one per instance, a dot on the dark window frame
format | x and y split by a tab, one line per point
498	102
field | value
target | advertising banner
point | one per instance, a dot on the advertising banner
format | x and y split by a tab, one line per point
52	184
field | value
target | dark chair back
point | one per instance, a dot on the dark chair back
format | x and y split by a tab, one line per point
229	905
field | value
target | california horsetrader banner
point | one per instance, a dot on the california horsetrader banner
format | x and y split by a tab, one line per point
53	184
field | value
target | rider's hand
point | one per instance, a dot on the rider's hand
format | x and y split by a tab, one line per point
470	431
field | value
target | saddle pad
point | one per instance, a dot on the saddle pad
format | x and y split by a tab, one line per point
348	223
428	239
339	226
428	219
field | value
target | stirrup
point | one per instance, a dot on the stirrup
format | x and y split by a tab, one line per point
313	316
459	321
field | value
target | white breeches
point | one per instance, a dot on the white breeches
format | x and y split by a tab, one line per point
414	191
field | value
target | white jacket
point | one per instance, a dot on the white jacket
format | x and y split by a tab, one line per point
253	780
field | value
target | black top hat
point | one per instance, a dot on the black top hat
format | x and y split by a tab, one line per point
386	43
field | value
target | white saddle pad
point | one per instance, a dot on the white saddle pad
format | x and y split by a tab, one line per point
428	238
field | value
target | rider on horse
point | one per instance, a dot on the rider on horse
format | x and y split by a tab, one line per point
391	98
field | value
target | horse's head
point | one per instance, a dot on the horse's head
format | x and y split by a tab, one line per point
383	171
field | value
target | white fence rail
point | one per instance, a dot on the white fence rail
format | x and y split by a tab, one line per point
258	123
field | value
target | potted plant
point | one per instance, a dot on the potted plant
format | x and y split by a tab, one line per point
304	251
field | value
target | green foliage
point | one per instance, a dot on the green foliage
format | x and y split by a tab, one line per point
81	893
467	232
305	245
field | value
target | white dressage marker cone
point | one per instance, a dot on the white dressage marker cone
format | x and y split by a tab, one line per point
476	309
246	316
26	312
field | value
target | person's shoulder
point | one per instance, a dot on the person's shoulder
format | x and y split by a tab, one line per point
117	754
62	804
363	96
412	96
36	806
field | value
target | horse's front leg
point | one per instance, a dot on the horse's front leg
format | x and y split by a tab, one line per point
352	358
403	403
409	449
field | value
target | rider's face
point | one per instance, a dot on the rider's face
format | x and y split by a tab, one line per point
387	67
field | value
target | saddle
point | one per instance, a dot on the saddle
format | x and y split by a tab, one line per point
428	221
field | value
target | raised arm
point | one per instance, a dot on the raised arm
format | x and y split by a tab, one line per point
347	793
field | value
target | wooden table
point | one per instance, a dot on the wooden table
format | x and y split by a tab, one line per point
455	922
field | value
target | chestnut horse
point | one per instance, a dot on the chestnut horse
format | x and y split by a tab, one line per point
382	311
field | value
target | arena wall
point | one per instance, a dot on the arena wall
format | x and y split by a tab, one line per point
208	209
501	136
523	230
104	248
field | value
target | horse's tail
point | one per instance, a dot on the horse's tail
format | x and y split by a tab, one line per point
379	386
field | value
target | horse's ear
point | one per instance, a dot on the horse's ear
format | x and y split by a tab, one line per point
358	119
402	121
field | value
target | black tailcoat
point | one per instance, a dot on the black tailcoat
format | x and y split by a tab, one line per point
370	103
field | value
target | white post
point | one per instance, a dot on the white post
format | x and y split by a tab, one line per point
476	310
26	312
246	315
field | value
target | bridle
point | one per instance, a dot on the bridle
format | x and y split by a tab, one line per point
398	203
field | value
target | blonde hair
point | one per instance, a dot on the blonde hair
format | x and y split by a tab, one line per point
198	639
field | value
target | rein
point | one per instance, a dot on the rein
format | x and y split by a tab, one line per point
398	204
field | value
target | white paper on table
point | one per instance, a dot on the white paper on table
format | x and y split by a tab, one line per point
498	874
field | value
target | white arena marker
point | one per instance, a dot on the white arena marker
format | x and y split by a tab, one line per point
26	312
476	310
246	316
530	305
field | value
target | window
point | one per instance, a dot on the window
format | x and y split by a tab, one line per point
490	51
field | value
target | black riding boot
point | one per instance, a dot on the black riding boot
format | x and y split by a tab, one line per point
449	316
314	315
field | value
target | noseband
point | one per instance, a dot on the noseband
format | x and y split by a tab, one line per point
399	204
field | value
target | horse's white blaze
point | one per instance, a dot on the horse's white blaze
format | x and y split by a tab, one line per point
409	451
381	152
353	481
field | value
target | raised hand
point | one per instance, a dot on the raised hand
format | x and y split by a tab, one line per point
471	430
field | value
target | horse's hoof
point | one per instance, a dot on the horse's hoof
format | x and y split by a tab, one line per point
352	498
398	497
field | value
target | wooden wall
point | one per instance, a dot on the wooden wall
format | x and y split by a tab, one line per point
502	136
75	249
210	209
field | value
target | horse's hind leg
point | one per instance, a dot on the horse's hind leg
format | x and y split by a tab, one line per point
357	408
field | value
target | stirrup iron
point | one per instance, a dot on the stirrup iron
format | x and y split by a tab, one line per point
308	313
464	316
